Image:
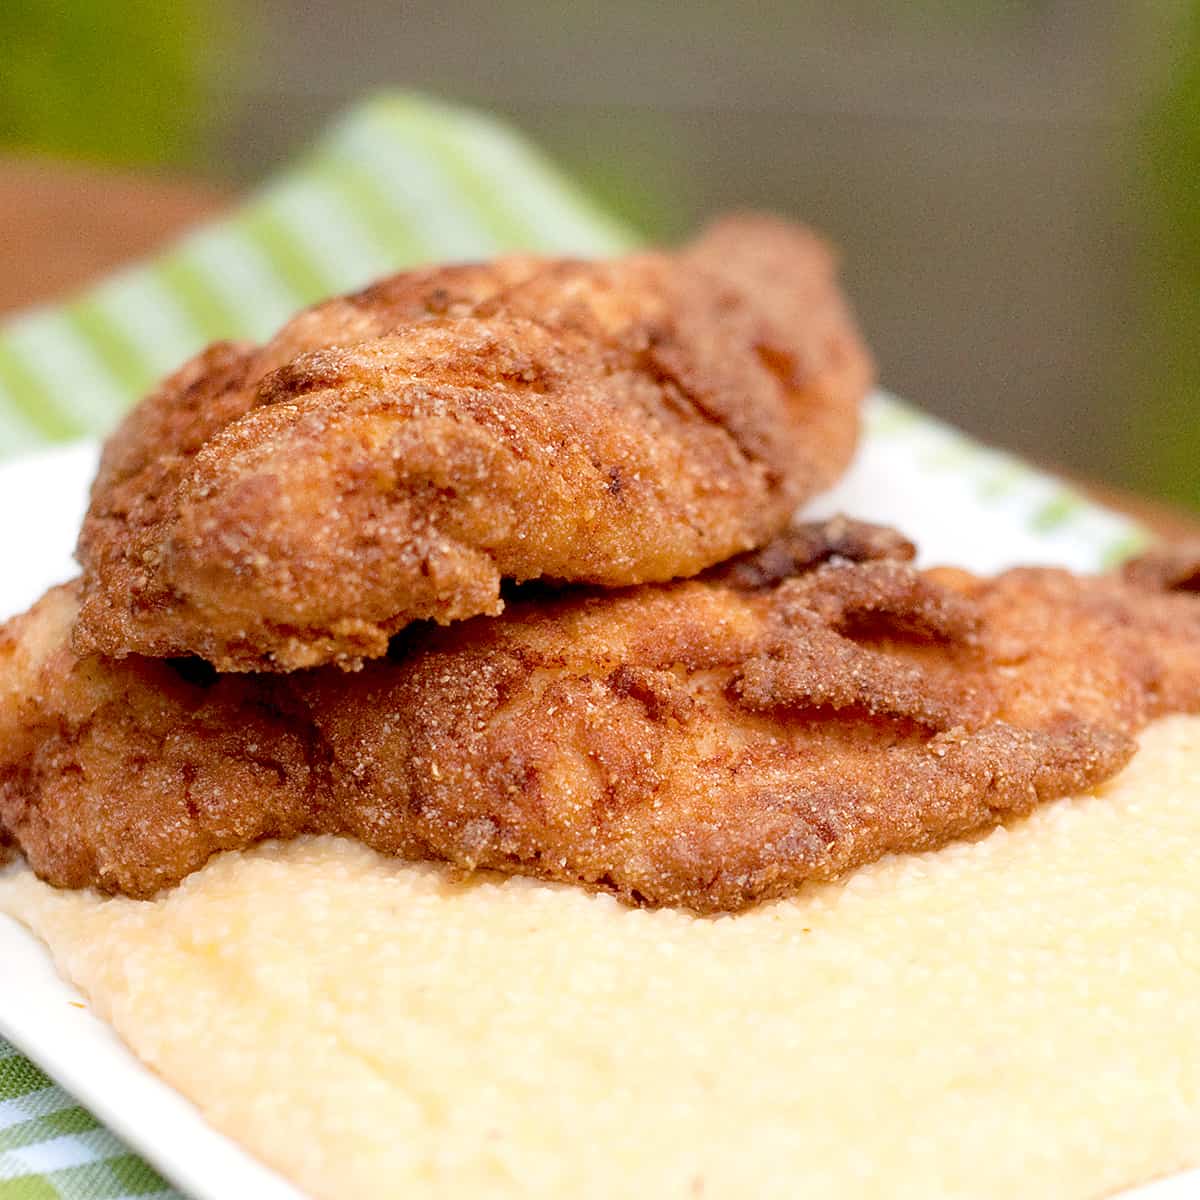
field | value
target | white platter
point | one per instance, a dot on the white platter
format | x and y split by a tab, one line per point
41	502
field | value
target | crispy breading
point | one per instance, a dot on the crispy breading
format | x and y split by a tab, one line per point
1175	567
396	455
131	774
707	744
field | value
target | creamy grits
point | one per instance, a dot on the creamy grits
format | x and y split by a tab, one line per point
1013	1016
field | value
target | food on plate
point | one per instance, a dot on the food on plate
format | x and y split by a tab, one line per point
398	454
441	671
706	744
1007	1016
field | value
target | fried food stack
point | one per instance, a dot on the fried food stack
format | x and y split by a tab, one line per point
398	455
494	565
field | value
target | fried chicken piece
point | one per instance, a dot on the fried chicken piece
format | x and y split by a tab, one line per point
129	775
396	455
1175	567
707	744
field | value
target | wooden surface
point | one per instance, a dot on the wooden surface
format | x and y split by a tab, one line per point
62	226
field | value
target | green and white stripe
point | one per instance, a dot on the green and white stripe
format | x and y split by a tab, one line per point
51	1149
401	180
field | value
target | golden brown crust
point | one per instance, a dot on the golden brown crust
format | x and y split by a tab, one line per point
396	455
132	775
808	545
707	744
1173	567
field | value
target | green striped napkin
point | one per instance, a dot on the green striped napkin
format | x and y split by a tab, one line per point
51	1149
400	180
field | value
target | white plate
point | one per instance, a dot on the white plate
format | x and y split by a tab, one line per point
41	503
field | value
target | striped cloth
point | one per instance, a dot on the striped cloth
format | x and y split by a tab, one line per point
400	180
51	1149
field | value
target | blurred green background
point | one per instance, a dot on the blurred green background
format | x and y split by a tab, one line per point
1015	183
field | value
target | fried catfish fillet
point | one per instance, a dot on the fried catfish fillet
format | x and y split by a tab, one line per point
395	455
706	744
